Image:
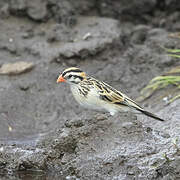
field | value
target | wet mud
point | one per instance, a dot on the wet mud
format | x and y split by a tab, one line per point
44	133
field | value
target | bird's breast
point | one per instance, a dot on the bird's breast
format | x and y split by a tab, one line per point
87	98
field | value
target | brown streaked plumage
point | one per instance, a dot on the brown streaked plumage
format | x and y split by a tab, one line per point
95	94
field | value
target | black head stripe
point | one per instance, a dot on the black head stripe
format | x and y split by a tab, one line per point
71	70
80	77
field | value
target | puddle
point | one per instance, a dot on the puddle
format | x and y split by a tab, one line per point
21	139
38	175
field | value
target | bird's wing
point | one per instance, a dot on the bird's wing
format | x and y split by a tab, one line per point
111	95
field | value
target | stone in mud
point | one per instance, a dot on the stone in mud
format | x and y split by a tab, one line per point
16	68
37	10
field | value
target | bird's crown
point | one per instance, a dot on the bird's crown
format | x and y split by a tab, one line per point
72	75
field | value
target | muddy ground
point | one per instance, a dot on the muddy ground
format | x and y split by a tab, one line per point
44	133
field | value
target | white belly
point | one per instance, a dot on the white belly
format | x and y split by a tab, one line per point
92	101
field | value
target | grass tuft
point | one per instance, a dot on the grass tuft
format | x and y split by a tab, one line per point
170	78
160	82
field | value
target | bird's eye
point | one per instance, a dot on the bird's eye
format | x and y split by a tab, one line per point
70	76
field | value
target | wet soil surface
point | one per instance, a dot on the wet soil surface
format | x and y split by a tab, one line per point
44	133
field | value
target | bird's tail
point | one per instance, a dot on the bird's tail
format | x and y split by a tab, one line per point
150	114
134	105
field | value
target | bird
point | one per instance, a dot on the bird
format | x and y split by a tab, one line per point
98	95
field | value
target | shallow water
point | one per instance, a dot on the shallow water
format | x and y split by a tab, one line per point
20	139
37	175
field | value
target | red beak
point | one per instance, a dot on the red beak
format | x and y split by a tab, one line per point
60	79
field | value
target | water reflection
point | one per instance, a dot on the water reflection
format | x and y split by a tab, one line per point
29	175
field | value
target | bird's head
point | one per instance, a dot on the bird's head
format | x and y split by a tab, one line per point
72	75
